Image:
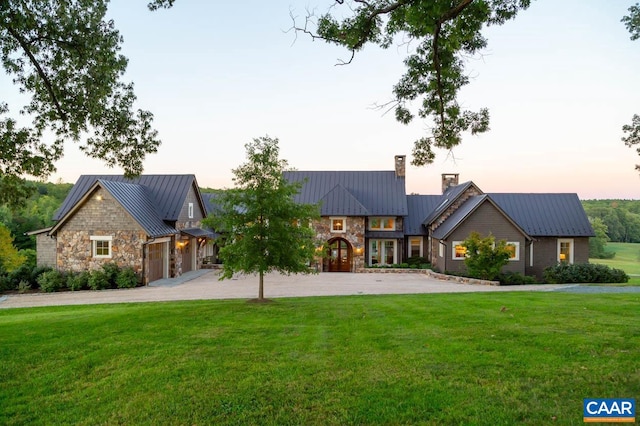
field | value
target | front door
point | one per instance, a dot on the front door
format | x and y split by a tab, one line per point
339	255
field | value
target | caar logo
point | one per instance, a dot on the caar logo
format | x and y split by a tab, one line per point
619	410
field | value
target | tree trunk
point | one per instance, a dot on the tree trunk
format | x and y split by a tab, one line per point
261	288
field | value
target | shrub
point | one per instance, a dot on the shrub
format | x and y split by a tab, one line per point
51	281
98	280
515	278
24	286
485	257
111	271
583	273
35	274
127	278
78	281
416	261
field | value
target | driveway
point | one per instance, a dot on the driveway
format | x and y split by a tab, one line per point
204	284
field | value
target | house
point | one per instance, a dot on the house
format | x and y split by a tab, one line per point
362	214
368	219
151	223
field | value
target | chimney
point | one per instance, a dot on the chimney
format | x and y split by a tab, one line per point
449	180
400	165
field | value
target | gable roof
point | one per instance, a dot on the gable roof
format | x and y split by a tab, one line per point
135	199
167	192
448	198
378	193
558	215
464	211
419	206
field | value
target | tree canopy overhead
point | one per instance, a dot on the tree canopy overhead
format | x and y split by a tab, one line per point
64	55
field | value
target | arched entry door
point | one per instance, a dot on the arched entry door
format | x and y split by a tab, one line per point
340	254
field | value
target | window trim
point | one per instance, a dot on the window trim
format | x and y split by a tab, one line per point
382	251
571	250
190	211
420	245
344	224
94	246
516	244
381	221
454	256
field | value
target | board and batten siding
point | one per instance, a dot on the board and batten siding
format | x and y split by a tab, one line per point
486	219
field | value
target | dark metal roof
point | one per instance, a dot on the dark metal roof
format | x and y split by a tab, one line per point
199	232
379	193
557	215
138	202
448	198
167	192
420	206
384	234
209	200
458	216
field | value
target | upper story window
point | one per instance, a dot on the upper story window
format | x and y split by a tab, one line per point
338	224
382	223
101	246
190	210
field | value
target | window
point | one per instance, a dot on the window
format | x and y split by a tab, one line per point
514	249
565	251
338	224
382	252
101	246
459	252
382	223
440	249
190	210
415	247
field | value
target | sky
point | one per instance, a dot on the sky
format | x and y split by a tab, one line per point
560	81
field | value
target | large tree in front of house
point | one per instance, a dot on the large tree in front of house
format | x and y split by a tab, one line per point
263	228
485	257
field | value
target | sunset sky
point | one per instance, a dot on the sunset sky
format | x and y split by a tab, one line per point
560	81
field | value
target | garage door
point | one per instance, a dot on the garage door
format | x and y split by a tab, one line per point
156	261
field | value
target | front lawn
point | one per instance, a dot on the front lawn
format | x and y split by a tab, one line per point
434	359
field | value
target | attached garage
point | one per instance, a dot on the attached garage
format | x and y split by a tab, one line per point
158	255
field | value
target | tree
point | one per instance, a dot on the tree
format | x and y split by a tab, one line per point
64	54
598	243
632	22
443	32
10	259
485	258
264	228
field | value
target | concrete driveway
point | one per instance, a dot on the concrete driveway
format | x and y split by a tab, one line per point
204	284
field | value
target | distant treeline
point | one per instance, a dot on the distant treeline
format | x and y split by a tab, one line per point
620	217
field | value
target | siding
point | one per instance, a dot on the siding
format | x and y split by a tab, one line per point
45	250
545	253
486	219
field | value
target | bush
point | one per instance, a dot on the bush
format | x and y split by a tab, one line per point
515	278
98	280
35	274
24	286
51	281
127	278
111	271
485	257
416	261
79	281
583	273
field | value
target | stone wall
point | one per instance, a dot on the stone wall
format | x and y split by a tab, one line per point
354	234
101	215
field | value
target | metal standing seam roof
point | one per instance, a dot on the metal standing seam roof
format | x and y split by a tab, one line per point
458	216
420	206
551	215
167	192
448	198
138	202
379	193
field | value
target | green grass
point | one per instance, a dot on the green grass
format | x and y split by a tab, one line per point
627	257
430	359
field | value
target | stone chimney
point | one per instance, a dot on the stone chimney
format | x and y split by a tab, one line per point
449	180
400	165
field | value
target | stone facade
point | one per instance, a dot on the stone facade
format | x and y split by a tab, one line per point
353	234
100	216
